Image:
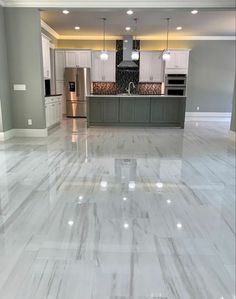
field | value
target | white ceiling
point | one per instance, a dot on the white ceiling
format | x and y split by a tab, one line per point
151	22
119	3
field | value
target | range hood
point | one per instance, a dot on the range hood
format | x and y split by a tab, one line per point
127	61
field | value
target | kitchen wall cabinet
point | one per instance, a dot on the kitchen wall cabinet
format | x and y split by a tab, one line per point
151	67
78	58
103	70
53	111
46	57
60	63
178	63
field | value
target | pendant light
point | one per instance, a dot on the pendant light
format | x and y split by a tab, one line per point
135	52
104	54
166	52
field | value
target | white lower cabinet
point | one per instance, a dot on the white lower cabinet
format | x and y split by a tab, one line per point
53	111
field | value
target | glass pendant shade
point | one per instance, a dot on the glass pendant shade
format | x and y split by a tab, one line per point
166	55
135	55
104	55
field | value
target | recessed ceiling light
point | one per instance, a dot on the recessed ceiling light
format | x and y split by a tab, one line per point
129	12
71	222
126	225
179	225
126	41
124	198
77	28
194	12
132	185
179	28
127	28
65	12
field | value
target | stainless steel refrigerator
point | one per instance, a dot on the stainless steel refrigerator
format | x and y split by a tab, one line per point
78	86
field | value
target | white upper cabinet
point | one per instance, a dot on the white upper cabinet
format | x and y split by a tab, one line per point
84	59
60	63
151	66
178	63
103	70
78	59
46	57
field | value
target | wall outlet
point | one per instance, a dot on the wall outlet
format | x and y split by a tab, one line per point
198	108
30	122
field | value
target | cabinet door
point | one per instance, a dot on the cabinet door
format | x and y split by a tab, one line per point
46	58
126	110
157	67
47	115
60	89
141	110
70	58
111	110
158	110
182	58
172	111
109	68
96	110
97	66
50	113
172	62
145	64
59	65
83	59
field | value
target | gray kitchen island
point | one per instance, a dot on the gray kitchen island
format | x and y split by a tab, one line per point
136	110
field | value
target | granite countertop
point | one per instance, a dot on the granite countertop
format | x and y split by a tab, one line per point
53	95
135	95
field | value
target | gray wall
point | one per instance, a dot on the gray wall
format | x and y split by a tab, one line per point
233	118
211	73
5	97
25	66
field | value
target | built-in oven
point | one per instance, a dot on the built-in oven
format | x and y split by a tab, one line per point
175	91
175	80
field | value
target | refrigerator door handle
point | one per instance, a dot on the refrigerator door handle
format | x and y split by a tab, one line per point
77	86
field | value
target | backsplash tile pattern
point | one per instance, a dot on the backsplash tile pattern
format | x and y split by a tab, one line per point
149	88
104	88
110	88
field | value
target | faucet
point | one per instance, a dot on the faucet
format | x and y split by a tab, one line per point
129	87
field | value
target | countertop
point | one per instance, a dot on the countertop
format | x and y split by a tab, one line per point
134	95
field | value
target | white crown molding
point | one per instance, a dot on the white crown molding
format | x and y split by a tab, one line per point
188	37
49	29
122	4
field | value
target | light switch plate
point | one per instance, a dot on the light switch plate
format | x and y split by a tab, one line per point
19	87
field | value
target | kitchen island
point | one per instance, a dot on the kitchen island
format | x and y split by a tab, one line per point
136	110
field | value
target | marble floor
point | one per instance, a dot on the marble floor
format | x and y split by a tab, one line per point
118	213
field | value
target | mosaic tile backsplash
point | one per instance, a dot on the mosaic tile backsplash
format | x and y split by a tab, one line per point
110	88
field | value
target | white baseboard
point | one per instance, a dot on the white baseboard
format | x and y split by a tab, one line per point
232	135
208	116
23	133
7	135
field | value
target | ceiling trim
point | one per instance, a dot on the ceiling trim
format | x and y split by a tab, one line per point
122	3
51	31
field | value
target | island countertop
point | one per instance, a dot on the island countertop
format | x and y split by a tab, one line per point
136	110
123	95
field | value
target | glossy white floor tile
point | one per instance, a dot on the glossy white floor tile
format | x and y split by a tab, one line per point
118	213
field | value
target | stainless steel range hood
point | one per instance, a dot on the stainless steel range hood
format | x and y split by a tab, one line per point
127	61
